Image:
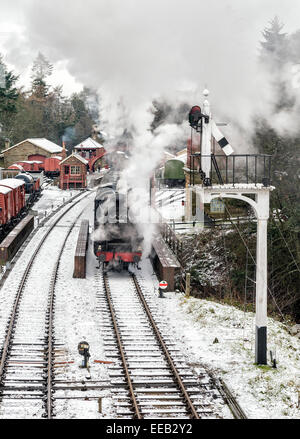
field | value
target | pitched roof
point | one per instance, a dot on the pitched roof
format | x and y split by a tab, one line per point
11	182
77	156
5	190
182	156
41	143
89	143
15	165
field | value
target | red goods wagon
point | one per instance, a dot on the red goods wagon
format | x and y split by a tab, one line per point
18	190
52	165
6	202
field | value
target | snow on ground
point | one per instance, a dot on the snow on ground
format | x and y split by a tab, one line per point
52	197
263	392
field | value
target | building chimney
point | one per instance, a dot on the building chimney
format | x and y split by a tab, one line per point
64	152
7	143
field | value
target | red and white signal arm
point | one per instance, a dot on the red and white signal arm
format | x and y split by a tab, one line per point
163	284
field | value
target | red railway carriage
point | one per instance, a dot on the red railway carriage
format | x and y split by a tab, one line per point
28	166
17	167
6	202
32	166
18	193
37	158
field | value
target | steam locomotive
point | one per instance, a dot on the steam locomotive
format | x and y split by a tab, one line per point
117	241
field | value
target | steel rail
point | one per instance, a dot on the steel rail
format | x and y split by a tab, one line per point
228	397
50	313
182	389
231	401
12	320
138	414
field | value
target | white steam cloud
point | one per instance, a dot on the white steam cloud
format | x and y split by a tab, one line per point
134	51
141	49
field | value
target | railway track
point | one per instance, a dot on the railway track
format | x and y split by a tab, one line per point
150	377
28	351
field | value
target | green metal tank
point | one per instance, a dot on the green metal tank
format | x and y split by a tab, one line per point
173	173
174	170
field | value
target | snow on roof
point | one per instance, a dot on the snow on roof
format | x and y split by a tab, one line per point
89	143
167	153
182	155
41	143
11	182
30	162
57	157
77	156
16	166
4	190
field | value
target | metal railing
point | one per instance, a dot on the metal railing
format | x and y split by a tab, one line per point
234	169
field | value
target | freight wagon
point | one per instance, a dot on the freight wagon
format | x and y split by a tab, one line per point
16	197
18	194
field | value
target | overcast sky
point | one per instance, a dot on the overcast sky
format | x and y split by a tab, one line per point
143	48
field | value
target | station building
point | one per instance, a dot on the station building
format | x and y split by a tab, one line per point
91	151
36	149
73	172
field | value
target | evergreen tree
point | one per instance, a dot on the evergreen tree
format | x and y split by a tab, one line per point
274	54
41	70
274	46
284	233
8	102
85	115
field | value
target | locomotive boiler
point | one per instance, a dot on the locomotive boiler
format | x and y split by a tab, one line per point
117	240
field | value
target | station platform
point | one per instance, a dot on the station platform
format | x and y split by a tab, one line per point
164	261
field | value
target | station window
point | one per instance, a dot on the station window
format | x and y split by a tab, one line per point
75	170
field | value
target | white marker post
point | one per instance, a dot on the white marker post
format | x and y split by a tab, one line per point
261	277
206	138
